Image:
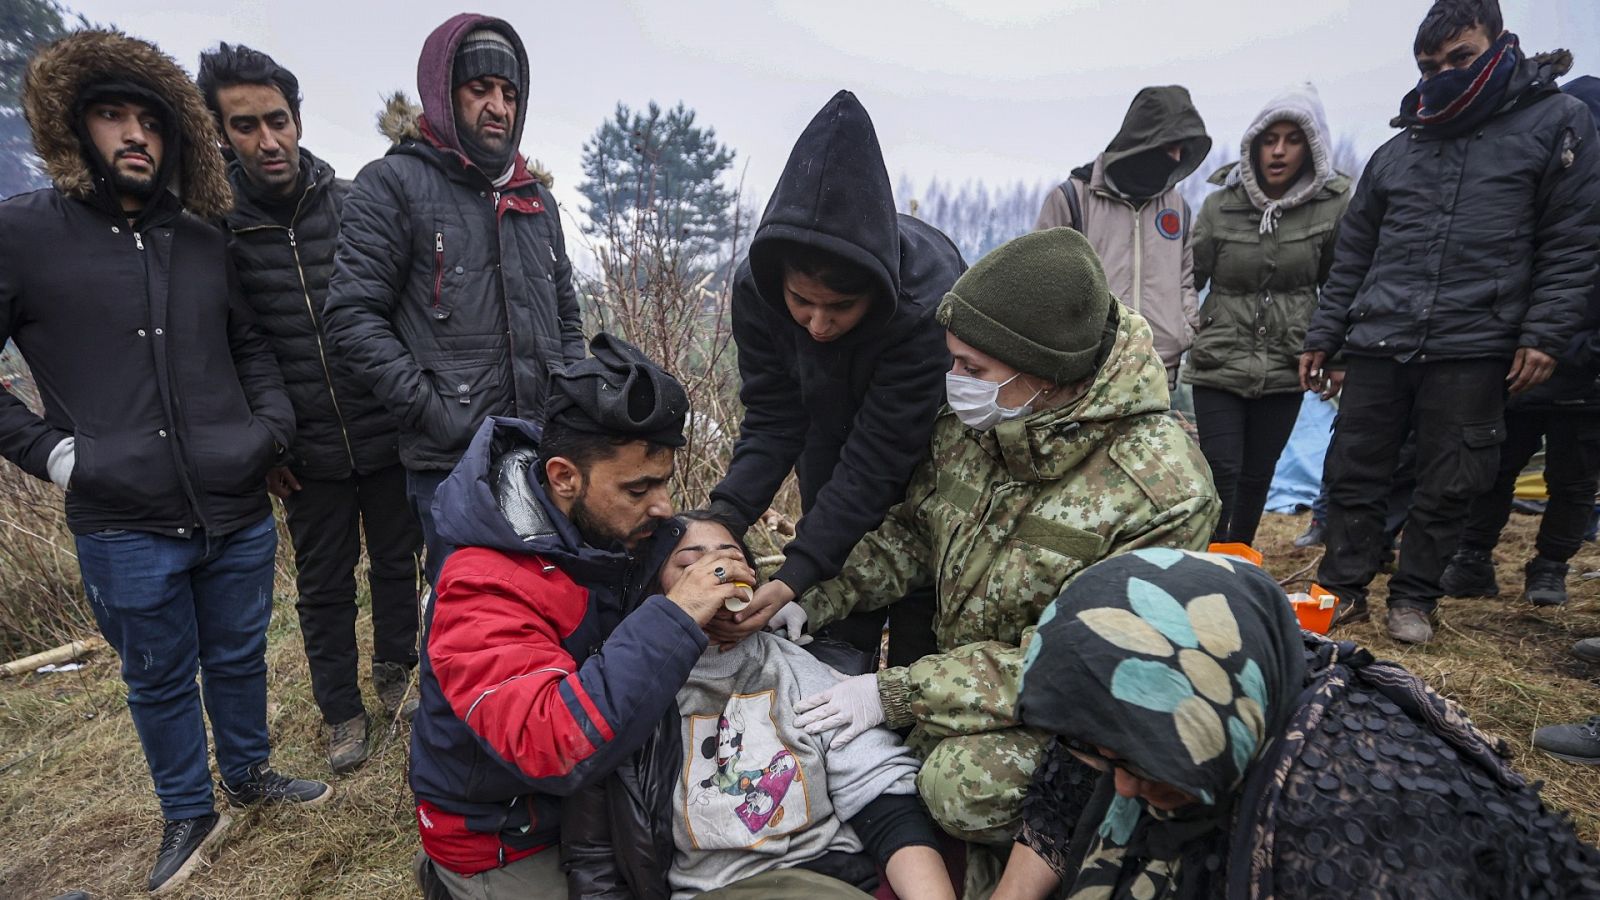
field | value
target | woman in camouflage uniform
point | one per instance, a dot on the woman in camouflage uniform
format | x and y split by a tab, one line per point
1056	451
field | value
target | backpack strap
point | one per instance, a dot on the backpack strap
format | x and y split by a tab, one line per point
1074	205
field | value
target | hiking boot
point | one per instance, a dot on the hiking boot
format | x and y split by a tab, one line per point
267	786
1312	536
1588	648
1573	743
185	846
1409	625
1349	612
347	744
393	683
1544	582
1470	574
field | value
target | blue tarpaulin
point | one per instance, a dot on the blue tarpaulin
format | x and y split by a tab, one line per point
1298	478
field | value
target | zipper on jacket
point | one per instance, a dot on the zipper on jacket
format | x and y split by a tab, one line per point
322	353
438	267
505	302
1138	260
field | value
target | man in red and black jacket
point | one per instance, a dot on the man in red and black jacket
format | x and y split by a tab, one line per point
545	662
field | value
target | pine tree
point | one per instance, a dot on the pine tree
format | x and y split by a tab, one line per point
657	171
25	25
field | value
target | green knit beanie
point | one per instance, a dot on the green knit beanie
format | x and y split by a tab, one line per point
1037	303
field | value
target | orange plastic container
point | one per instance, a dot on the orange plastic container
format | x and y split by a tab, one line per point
1313	607
1243	551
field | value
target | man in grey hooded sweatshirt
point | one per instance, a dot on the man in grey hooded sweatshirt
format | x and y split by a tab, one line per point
1127	204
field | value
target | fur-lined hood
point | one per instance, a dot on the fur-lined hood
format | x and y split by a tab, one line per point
58	74
401	120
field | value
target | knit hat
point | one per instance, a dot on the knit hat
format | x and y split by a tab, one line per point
483	52
618	391
1038	303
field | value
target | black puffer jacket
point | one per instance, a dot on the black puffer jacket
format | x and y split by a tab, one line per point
852	417
141	346
451	299
1473	245
1576	382
340	428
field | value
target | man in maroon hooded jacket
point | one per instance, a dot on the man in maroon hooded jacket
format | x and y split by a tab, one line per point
452	297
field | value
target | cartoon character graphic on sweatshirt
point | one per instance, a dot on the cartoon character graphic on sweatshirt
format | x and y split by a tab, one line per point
743	785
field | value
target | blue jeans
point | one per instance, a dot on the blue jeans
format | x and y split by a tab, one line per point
171	607
420	488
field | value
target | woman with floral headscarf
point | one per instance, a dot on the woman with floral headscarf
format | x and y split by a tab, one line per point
1225	753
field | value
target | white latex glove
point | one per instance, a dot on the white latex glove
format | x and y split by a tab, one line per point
62	461
852	706
790	622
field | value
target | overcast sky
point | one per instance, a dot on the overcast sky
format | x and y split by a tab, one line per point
991	89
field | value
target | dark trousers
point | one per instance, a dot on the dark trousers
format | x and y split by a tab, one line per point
326	522
420	488
172	607
910	623
1400	491
1242	439
1456	409
1571	474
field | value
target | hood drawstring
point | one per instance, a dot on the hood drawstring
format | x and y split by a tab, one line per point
1270	214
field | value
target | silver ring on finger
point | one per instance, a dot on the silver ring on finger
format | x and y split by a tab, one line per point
720	574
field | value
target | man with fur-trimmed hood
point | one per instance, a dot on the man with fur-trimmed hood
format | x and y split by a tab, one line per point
452	295
163	409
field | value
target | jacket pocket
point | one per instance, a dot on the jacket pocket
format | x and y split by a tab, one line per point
233	460
463	396
125	471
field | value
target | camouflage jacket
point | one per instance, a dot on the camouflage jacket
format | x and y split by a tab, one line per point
1000	521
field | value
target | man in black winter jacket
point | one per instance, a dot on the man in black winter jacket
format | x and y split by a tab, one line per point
1467	253
343	474
1564	415
842	366
163	409
452	296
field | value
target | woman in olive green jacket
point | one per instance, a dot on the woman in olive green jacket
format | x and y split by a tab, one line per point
1264	243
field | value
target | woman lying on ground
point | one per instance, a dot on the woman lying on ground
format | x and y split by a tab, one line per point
733	796
1244	758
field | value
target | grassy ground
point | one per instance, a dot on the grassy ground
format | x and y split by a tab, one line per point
76	797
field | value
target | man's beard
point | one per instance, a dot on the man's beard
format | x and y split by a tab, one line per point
595	533
491	159
139	186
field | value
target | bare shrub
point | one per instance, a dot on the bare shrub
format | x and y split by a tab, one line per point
41	596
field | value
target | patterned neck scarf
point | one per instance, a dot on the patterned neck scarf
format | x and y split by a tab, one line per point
1457	100
1183	664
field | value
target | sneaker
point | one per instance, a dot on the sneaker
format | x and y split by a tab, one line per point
1470	574
1409	625
1545	582
1349	612
1588	648
1528	507
267	786
185	844
347	744
1573	743
393	683
1312	536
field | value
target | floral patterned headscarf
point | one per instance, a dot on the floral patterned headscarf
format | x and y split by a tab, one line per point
1183	664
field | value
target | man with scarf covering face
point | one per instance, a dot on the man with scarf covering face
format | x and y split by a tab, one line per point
452	297
1462	269
1206	748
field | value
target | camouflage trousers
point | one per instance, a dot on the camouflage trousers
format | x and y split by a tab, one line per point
973	784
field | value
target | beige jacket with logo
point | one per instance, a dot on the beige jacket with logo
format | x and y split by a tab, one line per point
1146	252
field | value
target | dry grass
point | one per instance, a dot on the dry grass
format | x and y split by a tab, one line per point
76	797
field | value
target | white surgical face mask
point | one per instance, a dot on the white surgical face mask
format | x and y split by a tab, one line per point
977	402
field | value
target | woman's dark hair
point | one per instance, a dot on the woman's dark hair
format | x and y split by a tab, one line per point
1449	18
839	274
234	64
706	515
